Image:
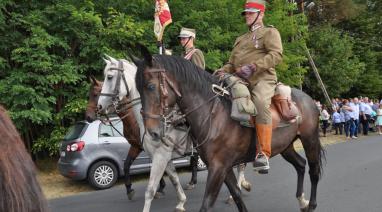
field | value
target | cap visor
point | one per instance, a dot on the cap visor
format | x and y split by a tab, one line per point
183	36
251	10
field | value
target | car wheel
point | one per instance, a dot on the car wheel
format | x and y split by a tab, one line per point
102	175
201	165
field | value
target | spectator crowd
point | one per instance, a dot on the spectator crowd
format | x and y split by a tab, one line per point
351	117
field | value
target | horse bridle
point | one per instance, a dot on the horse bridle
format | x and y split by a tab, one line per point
115	94
164	82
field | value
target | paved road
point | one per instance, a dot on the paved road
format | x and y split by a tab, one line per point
352	182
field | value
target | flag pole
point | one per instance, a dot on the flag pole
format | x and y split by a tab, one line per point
162	18
160	46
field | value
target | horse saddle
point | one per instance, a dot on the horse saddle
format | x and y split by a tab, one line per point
285	106
243	109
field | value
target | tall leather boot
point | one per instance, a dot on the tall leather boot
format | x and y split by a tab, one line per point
264	138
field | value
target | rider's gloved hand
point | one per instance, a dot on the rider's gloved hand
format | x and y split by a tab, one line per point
220	73
246	71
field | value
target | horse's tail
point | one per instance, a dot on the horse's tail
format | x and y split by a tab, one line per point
321	158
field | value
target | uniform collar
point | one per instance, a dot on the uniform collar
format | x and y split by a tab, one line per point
188	50
255	27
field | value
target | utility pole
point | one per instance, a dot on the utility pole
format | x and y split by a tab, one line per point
301	7
315	71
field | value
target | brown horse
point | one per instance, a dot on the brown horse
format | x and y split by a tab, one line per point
130	131
19	189
222	142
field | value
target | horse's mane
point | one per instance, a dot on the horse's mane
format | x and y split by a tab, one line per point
186	73
19	189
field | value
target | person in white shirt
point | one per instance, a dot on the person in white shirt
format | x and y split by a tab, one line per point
354	105
325	119
365	115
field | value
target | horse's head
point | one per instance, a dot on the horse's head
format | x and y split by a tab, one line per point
159	92
119	83
94	92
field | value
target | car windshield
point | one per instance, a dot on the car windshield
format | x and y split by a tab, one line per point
75	131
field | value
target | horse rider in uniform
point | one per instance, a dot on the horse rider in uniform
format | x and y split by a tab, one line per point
187	38
254	57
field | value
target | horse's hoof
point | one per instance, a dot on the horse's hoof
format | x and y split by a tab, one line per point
307	209
189	186
159	195
263	171
246	185
180	210
130	194
229	201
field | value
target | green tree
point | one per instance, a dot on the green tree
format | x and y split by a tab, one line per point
338	66
367	32
48	49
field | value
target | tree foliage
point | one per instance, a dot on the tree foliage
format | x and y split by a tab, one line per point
49	48
356	28
333	54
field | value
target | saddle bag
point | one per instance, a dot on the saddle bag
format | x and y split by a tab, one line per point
284	104
242	106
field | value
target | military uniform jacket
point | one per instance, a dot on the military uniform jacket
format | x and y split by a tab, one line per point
261	47
197	57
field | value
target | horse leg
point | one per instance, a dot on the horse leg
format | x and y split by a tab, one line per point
171	172
232	184
194	176
314	154
215	179
159	163
298	163
133	153
242	182
160	193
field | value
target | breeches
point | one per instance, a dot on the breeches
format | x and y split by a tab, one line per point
262	94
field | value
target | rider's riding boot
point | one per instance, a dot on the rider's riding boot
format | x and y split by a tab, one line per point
264	138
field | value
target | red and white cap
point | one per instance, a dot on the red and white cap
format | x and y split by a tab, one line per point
254	6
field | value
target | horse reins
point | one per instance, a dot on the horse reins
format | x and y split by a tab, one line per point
116	103
115	94
163	81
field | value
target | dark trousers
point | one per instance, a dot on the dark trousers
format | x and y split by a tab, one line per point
365	124
325	124
338	127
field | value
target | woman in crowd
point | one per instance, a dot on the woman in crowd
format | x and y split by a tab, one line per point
337	121
378	122
325	119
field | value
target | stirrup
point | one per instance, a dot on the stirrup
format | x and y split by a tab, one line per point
262	166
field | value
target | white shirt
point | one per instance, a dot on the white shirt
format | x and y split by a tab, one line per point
365	108
355	112
325	115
